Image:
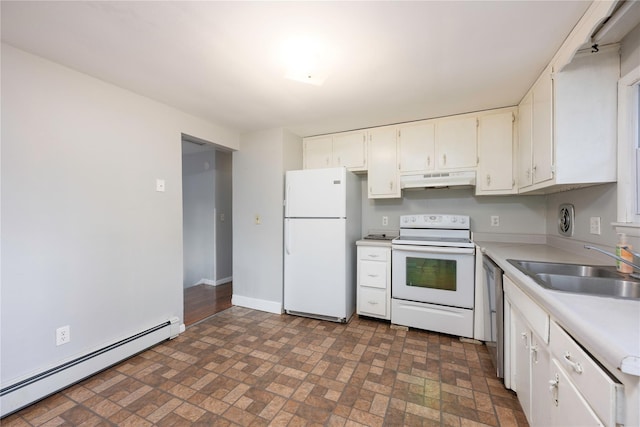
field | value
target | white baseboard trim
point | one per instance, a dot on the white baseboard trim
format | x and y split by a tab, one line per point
257	304
211	282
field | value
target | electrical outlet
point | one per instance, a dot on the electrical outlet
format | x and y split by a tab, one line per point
221	217
63	335
594	225
385	220
495	221
160	185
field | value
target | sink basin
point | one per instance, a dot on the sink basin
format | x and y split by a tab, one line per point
534	267
605	286
580	279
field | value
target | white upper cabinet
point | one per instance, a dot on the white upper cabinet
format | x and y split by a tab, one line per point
525	140
350	150
317	152
495	174
570	118
542	133
416	147
347	149
383	173
456	142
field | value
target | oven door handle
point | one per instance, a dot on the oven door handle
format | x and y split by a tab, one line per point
433	249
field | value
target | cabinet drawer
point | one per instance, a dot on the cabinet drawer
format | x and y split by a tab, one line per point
372	301
536	317
373	253
603	392
373	273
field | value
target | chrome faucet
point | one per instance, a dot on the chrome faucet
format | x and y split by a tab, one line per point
612	255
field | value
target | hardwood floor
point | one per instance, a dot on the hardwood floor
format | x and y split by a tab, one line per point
202	301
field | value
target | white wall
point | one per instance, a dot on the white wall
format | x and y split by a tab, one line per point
198	208
518	214
598	201
258	190
86	239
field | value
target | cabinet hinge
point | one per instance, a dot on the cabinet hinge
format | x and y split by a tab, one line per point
477	122
477	160
399	133
513	117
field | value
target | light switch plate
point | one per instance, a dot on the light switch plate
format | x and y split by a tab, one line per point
160	185
594	225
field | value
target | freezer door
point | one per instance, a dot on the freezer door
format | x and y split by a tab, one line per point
316	279
316	193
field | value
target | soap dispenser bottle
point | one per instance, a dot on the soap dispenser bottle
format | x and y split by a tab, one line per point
622	252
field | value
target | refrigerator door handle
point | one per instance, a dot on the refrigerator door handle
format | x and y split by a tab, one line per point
287	234
286	200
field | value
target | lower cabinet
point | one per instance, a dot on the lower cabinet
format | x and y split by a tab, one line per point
374	281
557	382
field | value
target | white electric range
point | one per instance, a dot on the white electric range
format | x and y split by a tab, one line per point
433	274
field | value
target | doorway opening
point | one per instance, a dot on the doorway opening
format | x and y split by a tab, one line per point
206	229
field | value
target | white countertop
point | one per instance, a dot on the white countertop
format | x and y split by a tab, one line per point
373	242
609	328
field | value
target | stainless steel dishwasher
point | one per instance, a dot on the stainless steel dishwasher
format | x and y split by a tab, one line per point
494	314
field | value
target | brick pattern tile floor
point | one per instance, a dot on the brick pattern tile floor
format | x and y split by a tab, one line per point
250	368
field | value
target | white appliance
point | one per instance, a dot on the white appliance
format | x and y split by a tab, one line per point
321	226
433	274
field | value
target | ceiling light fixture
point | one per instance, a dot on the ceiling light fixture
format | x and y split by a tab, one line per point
305	60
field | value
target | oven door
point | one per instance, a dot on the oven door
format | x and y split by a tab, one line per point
436	275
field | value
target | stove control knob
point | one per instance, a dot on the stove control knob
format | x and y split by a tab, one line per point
413	219
454	219
463	220
432	218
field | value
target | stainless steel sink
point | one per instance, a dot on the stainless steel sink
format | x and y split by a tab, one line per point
581	279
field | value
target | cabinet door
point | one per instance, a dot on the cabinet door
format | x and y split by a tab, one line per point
383	163
543	128
522	362
350	150
525	135
540	396
456	143
495	147
568	407
416	147
317	152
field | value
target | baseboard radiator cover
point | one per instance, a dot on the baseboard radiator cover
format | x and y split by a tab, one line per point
39	386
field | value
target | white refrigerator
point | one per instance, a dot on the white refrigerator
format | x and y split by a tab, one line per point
321	225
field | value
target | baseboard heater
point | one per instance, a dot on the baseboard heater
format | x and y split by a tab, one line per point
37	387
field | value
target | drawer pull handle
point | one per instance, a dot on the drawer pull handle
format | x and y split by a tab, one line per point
372	275
373	302
553	388
373	255
575	365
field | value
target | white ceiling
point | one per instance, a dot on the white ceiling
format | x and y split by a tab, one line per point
390	61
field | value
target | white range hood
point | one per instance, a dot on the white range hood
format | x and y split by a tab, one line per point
438	179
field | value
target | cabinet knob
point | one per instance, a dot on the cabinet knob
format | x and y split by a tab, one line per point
488	180
444	159
428	160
